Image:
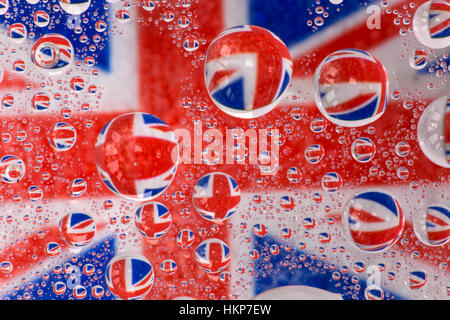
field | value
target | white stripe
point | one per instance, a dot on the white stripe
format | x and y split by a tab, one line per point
235	13
342	92
377	210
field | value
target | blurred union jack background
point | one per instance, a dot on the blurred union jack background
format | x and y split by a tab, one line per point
149	56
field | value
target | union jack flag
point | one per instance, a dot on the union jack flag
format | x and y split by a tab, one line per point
141	133
62	136
287	203
238	78
129	277
77	187
437	224
212	255
77	229
216	196
148	64
417	279
153	220
374	219
168	267
356	99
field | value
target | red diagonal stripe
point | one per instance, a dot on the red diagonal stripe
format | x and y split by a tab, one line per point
364	216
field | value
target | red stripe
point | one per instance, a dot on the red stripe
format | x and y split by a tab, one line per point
437	220
364	150
118	283
370	238
439	6
364	216
447	122
350	104
166	76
